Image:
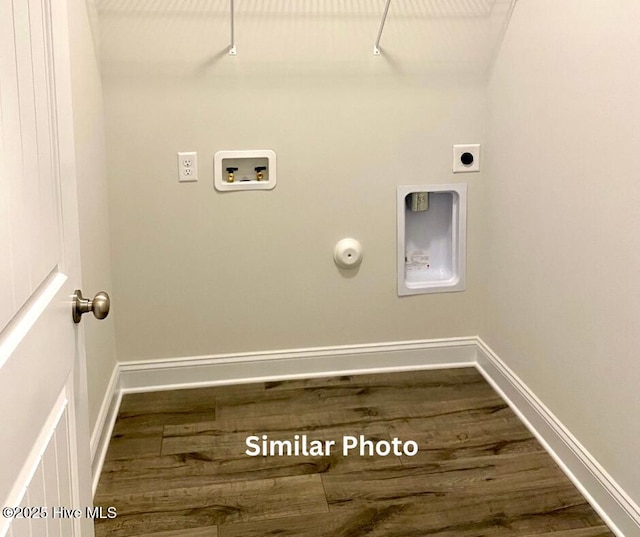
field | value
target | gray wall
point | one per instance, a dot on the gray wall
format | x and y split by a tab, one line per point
197	272
563	301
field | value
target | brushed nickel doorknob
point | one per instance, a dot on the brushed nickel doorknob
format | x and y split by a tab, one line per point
99	305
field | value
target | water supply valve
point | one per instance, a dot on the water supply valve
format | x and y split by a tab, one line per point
260	172
230	176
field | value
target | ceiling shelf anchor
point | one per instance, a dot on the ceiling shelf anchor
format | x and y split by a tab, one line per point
376	46
232	47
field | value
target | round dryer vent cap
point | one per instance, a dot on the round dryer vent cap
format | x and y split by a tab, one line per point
348	254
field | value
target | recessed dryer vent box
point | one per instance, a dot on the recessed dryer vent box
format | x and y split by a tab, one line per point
244	170
432	228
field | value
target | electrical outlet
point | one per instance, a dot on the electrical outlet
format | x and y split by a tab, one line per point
188	167
466	158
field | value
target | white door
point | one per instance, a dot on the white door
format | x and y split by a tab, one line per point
44	446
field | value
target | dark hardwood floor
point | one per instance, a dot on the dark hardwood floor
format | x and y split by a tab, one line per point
177	465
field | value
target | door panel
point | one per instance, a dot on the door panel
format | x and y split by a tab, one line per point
6	265
45	233
31	233
47	480
43	445
20	144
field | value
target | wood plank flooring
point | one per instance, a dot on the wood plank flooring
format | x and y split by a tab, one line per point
177	465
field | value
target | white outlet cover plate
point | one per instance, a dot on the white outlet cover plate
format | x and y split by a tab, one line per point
187	167
458	151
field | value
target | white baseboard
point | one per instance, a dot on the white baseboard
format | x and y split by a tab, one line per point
607	497
305	363
101	433
615	507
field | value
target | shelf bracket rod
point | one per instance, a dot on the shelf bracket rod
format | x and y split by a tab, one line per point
232	47
376	46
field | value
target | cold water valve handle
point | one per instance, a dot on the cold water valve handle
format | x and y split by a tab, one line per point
230	176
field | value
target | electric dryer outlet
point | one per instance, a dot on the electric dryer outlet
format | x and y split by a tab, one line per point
466	158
